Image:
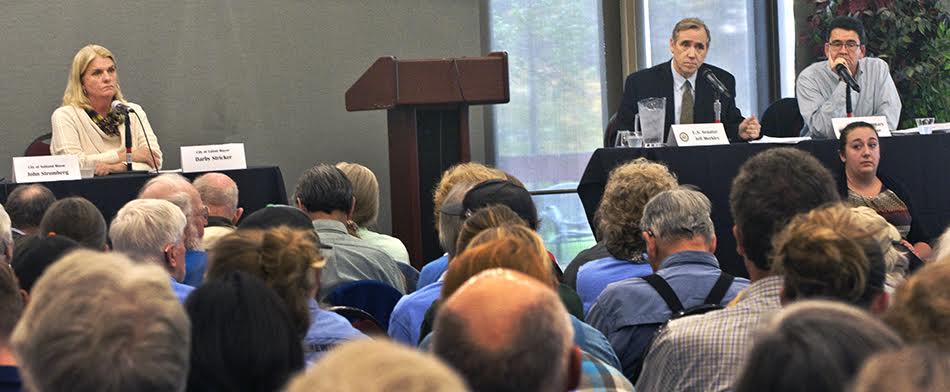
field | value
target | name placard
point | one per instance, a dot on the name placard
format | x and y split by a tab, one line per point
879	123
698	134
46	168
213	157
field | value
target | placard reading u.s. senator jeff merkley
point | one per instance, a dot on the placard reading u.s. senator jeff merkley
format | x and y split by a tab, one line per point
213	158
708	134
46	168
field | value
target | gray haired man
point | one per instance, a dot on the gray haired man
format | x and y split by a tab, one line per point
680	240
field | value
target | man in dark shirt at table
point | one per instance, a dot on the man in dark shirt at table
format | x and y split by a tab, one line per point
689	95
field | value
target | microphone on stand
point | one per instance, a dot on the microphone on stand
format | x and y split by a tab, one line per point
119	105
842	71
711	77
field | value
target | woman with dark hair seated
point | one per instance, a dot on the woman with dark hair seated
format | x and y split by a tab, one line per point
862	185
242	336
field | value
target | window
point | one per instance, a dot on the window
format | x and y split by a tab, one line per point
546	134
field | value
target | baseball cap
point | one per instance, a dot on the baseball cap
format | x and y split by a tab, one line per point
493	192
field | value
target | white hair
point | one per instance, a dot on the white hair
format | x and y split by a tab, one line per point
6	232
143	227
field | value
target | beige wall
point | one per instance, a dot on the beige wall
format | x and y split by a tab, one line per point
270	74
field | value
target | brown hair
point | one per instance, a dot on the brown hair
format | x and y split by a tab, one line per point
469	172
911	369
920	310
691	24
628	190
514	247
365	191
282	257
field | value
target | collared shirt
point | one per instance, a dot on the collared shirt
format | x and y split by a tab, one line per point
327	330
706	353
181	290
196	261
353	259
821	96
628	312
410	311
432	271
594	276
597	376
391	245
679	89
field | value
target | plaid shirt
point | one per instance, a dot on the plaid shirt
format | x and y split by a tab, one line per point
598	376
706	353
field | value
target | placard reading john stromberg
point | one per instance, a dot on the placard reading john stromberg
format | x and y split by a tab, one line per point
213	158
46	168
684	135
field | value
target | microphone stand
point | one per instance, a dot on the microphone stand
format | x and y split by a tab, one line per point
847	99
717	108
128	142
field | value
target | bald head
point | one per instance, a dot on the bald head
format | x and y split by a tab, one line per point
220	193
504	342
179	191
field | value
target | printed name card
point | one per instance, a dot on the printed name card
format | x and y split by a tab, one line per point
698	134
46	168
213	158
879	123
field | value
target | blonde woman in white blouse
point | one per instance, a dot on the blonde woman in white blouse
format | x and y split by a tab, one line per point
87	127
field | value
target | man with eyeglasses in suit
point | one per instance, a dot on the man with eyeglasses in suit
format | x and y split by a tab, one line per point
821	92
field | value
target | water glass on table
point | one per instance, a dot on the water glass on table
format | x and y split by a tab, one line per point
925	125
652	120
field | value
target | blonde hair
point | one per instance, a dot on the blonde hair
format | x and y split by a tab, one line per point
469	172
365	190
885	235
911	369
513	247
377	366
629	188
74	94
920	310
283	257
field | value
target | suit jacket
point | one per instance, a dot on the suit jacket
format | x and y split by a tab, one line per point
657	81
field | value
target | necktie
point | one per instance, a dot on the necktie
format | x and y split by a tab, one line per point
686	107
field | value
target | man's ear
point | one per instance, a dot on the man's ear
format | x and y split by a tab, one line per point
712	243
237	215
573	369
740	248
170	261
349	214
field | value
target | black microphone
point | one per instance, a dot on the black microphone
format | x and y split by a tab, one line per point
711	77
842	71
118	105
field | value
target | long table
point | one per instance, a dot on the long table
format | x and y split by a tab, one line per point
257	186
921	163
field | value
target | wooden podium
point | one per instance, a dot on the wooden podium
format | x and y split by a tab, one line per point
427	103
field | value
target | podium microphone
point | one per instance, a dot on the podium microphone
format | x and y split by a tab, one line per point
842	71
118	105
711	77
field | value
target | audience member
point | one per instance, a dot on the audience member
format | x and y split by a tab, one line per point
502	342
36	253
828	253
680	241
26	205
408	314
242	337
98	322
912	369
628	189
78	219
6	237
12	300
324	193
179	191
814	346
897	253
463	173
920	310
705	352
220	194
153	231
366	192
288	261
277	215
378	366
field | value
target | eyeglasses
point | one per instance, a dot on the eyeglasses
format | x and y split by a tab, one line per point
851	45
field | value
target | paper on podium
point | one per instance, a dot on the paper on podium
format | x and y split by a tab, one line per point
781	140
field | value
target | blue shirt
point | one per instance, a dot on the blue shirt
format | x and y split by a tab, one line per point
410	311
593	342
195	263
594	276
432	271
10	379
181	290
327	330
628	312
